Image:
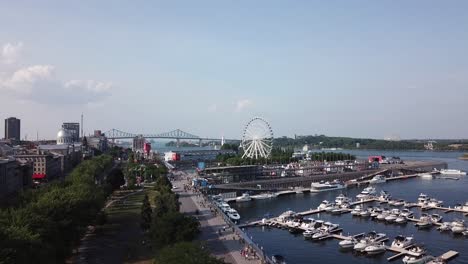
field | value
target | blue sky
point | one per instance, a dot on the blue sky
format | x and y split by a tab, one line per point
341	68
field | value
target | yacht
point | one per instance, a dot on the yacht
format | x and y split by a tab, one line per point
244	198
422	199
378	179
436	218
392	216
233	215
401	219
462	207
452	172
458	226
399	202
369	239
348	243
342	199
325	230
366	212
402	242
424	221
434	203
375	212
375	249
331	207
383	215
384	197
323	205
406	213
357	210
421	259
426	176
286	215
224	207
264	196
446	226
366	193
309	232
326	186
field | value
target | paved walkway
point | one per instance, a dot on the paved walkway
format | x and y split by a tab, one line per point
223	244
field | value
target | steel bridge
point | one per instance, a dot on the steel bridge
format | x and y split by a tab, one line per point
177	134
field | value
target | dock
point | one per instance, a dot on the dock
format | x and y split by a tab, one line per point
448	255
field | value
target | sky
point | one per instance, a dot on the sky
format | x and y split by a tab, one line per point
340	68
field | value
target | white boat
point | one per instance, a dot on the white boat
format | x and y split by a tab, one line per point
342	199
422	199
446	226
233	215
436	218
366	193
357	210
422	259
375	249
348	243
402	242
326	186
378	179
323	205
384	197
331	207
401	219
369	239
244	198
462	207
406	213
375	212
458	226
224	207
365	212
424	221
434	203
320	235
309	232
381	216
399	203
264	196
426	176
452	172
286	215
392	216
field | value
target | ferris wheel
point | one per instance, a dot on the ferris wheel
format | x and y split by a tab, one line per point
257	139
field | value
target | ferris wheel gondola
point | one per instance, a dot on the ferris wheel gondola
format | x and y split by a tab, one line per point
257	139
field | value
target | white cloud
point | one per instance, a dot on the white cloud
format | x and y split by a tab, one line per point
213	108
39	84
10	52
243	104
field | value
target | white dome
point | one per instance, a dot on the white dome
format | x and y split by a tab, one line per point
64	137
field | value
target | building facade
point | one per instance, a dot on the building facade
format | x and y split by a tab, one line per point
138	143
45	166
14	176
74	130
13	128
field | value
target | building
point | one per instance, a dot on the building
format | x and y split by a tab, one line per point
64	137
13	128
138	143
45	166
14	176
74	130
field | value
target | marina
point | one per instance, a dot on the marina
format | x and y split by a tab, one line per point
438	243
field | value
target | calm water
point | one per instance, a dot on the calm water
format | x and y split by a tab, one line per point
299	251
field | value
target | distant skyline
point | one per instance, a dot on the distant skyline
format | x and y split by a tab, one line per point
367	69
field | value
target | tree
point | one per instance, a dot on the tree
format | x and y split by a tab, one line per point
146	214
116	178
173	227
185	252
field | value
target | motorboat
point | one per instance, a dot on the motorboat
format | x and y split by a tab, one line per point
321	234
330	227
398	202
452	172
406	213
367	193
264	196
422	199
402	242
384	197
323	205
417	250
378	179
286	215
342	199
383	215
375	249
357	210
348	243
244	198
458	226
369	239
339	210
309	232
233	215
325	230
331	208
394	213
224	207
410	259
426	176
365	212
401	219
326	186
436	218
445	226
434	203
424	221
375	212
278	259
462	207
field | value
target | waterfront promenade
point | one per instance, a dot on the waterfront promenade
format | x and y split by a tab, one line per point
215	232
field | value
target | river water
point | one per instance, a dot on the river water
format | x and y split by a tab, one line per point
299	251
